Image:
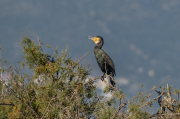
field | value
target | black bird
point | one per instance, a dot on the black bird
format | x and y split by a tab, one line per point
104	61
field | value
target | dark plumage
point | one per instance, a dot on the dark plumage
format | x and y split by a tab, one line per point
104	61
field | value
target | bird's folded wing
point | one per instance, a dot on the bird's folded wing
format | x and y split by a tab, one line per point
109	62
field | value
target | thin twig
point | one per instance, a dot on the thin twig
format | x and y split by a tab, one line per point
77	103
11	104
37	116
0	60
119	108
39	43
92	80
47	108
1	72
157	115
108	84
119	101
112	78
129	115
72	96
153	100
81	59
160	103
85	84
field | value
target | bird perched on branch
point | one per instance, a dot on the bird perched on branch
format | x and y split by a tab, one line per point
104	61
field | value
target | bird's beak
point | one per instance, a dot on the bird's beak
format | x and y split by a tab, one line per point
90	37
93	38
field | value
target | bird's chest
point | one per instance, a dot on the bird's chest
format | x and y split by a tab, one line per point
99	58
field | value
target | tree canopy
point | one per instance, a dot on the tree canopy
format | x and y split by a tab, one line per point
56	86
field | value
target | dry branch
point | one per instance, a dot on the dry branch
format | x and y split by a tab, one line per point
92	80
47	108
10	90
11	104
119	108
81	59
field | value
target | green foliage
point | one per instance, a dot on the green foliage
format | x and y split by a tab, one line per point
59	87
106	111
142	85
56	89
6	62
48	46
137	112
33	55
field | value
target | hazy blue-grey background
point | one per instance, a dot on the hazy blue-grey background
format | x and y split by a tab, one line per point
141	36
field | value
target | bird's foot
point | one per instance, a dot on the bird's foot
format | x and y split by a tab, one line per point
102	78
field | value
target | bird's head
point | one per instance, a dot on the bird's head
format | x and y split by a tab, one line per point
96	39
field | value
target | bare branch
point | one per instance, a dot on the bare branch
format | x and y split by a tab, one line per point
172	114
81	59
119	108
153	100
39	43
0	60
37	116
112	78
160	103
11	104
47	108
1	72
92	80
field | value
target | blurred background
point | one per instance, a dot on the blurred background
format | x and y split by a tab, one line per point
142	37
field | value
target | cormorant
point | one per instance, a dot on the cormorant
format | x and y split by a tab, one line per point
104	61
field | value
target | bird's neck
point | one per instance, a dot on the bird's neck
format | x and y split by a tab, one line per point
98	45
97	49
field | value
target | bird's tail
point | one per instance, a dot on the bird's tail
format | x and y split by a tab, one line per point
112	81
